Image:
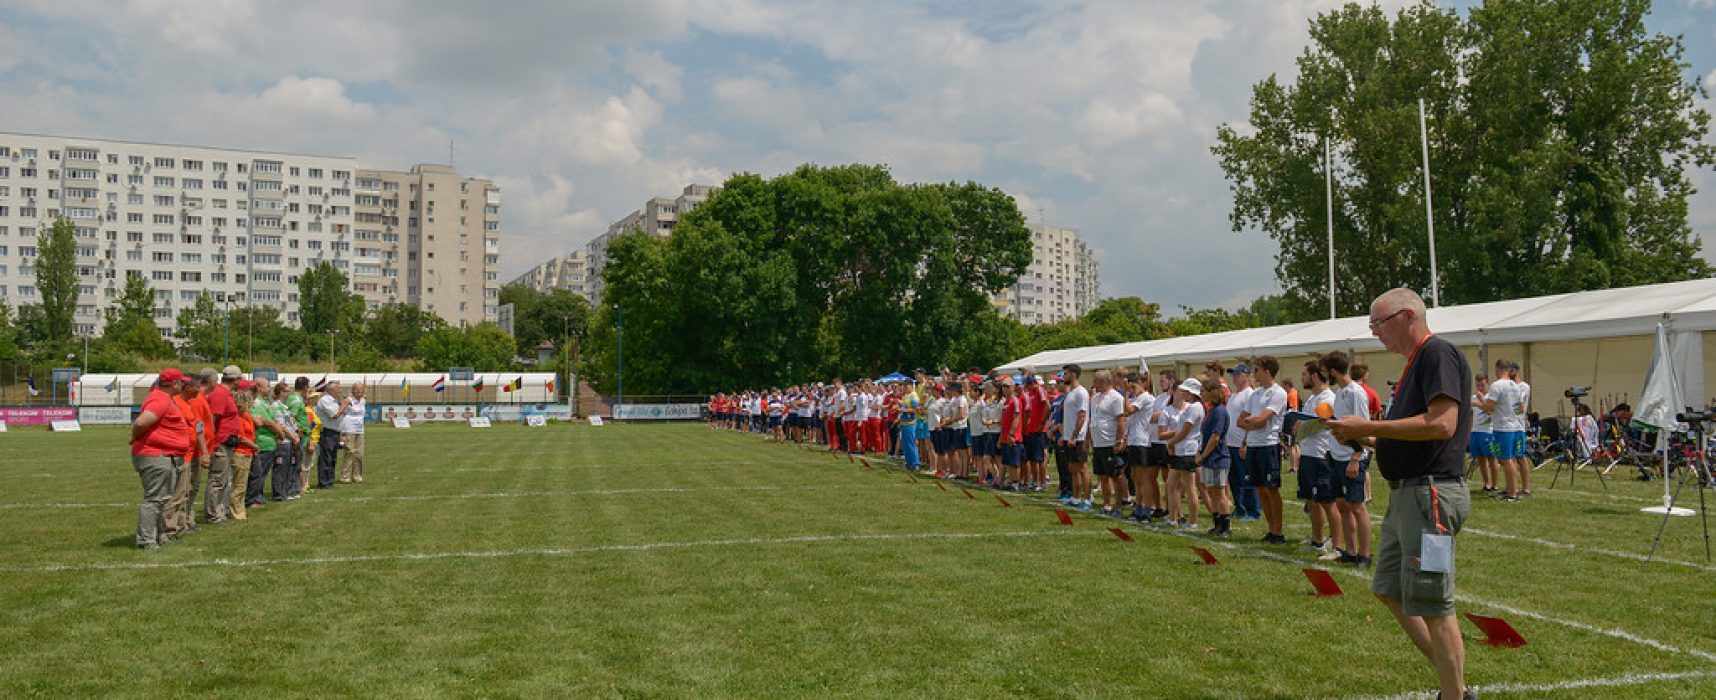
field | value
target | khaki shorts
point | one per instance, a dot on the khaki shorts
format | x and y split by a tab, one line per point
1422	593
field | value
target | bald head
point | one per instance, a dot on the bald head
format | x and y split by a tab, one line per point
1399	298
1397	319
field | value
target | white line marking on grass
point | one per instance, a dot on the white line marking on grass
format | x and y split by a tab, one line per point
1588	550
641	465
548	551
513	494
1605	682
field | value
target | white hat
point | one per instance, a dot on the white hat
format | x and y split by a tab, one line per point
1195	387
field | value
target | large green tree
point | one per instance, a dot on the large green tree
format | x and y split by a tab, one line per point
838	270
484	347
539	317
326	304
130	325
258	332
393	329
56	279
8	333
1559	137
202	330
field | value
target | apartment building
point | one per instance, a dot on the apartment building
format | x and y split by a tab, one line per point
239	224
657	218
1062	282
569	272
428	237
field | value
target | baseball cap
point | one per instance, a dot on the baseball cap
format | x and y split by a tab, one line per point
1240	368
1192	386
170	375
1030	378
231	372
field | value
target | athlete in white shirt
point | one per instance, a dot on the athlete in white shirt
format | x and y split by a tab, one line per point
1351	466
1107	422
1140	405
1502	402
1316	473
1482	445
1245	504
1262	425
1075	428
1183	436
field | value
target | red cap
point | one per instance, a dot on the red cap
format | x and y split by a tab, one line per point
246	385
170	375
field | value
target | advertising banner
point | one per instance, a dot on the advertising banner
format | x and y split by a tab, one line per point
659	411
512	413
104	415
36	416
422	413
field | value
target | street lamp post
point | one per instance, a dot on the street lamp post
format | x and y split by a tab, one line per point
620	360
332	365
226	334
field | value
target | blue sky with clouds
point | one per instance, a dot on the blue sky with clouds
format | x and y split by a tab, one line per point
1096	115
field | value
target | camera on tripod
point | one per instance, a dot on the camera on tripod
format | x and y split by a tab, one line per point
1693	418
1575	392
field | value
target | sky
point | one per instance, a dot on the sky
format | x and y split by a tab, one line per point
1097	116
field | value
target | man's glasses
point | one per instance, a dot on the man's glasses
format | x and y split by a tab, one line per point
1378	323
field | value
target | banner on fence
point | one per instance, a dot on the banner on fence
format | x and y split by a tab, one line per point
507	413
658	411
37	416
104	415
424	413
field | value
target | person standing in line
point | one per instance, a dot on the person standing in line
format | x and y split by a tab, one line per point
1502	403
1181	434
266	434
1483	444
1246	507
159	438
1525	421
285	480
1010	443
1262	451
1140	405
1107	429
217	499
329	410
1052	431
1159	457
352	412
1352	462
1361	371
1317	478
181	506
906	421
1036	412
1075	434
1212	460
299	404
1419	444
243	453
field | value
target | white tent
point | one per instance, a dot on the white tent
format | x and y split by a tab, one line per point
1600	338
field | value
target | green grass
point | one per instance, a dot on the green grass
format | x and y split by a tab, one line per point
669	561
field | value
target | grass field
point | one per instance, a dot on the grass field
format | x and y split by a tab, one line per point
670	561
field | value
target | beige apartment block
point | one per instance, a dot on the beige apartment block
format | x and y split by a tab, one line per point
1062	282
239	224
428	237
657	218
569	272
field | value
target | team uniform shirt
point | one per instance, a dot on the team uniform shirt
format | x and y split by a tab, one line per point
1011	407
1191	419
1375	401
1320	443
264	438
959	411
936	411
225	412
1162	410
1480	418
1235	437
1350	401
1270	398
202	419
1138	430
1036	409
1077	401
1217	424
1106	412
1505	417
1524	402
1053	419
842	403
246	431
171	435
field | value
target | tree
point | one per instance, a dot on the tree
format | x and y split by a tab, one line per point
56	279
393	329
258	331
130	326
484	346
8	333
821	271
1559	137
327	305
538	317
202	329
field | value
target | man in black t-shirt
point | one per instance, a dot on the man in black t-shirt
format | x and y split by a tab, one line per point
1419	449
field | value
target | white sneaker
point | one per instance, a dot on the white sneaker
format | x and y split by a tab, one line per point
1330	556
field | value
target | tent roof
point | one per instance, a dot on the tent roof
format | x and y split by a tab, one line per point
1626	311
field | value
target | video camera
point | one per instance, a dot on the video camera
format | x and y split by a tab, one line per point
1574	392
1693	418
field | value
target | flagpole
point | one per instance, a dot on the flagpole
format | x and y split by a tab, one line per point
1329	204
1429	213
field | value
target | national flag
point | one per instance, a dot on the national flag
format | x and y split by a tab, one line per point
323	384
513	385
113	385
441	384
479	385
404	388
550	386
30	383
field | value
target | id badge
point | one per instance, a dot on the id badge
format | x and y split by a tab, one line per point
1436	553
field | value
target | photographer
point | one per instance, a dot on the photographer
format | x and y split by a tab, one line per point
1419	446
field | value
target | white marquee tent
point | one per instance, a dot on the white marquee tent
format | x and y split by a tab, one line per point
1599	338
383	387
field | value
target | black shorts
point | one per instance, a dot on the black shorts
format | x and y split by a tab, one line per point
1264	464
1135	455
1105	462
1077	453
1184	463
1036	447
1157	456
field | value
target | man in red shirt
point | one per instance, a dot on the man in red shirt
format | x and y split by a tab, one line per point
196	459
1359	372
217	499
1012	406
1036	405
159	439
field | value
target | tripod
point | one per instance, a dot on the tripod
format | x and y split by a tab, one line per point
1569	450
1697	462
